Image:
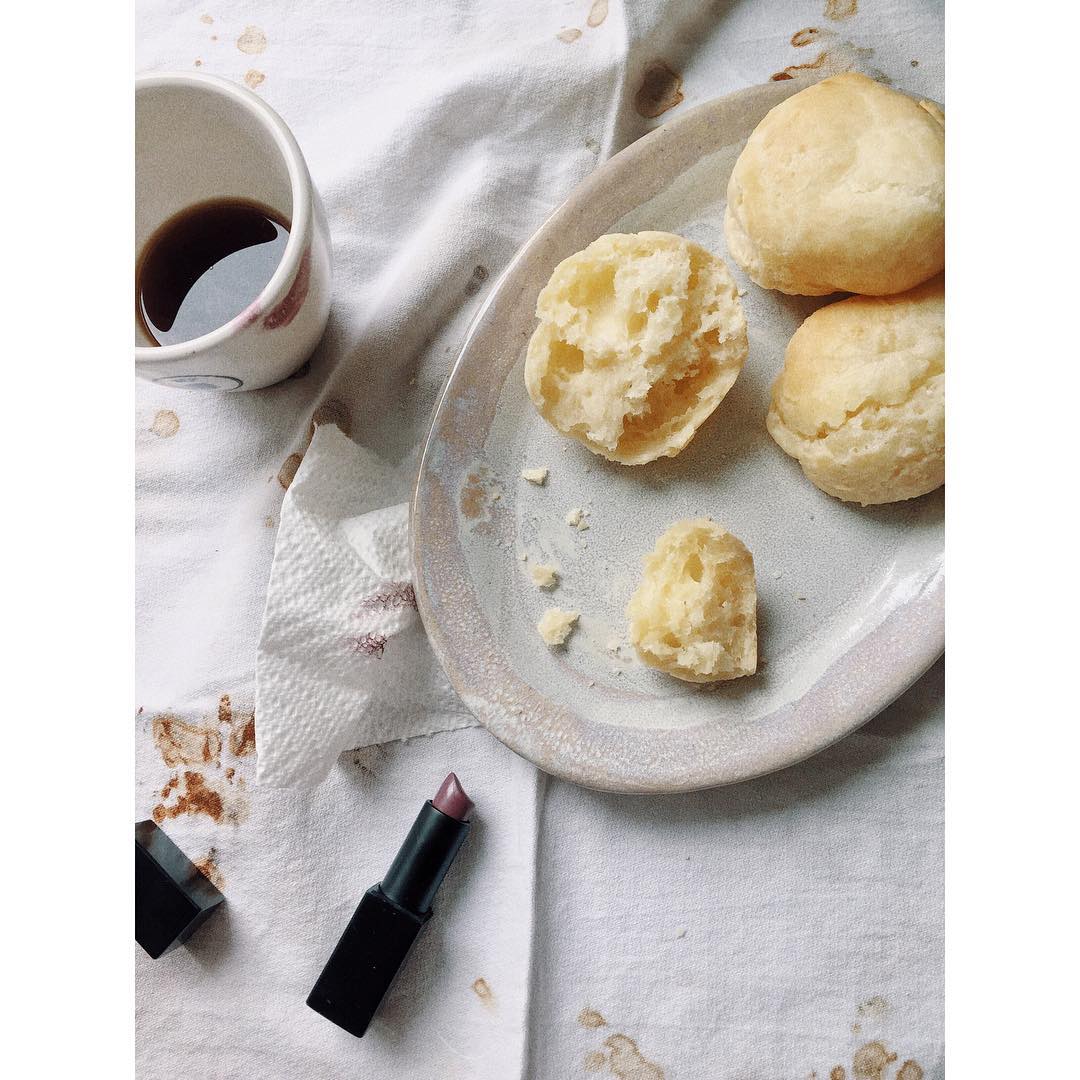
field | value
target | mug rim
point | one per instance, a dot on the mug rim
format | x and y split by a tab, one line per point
275	290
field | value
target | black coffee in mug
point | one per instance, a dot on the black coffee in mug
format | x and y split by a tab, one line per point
205	265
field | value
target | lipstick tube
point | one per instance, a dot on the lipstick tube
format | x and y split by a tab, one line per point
392	913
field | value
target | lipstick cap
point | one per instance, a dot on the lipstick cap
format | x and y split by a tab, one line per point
362	967
172	896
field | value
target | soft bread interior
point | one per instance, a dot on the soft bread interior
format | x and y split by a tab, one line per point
694	614
640	338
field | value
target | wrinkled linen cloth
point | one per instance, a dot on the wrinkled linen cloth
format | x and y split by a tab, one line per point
787	927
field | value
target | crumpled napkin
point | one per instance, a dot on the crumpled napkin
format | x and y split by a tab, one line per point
343	661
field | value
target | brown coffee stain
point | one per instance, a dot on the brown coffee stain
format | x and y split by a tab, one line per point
208	867
871	1061
793	69
208	19
254	79
367	757
242	739
569	36
856	1029
910	1070
288	470
476	280
331	411
481	989
840	57
838	10
251	41
875	1008
166	424
170	785
473	496
838	1073
590	1018
597	13
195	795
660	90
230	772
181	743
595	1061
224	709
627	1062
804	37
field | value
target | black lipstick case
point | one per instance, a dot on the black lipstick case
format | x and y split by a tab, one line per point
365	961
384	926
172	897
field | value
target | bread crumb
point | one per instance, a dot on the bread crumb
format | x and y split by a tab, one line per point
535	476
576	518
544	577
778	574
680	933
555	625
524	556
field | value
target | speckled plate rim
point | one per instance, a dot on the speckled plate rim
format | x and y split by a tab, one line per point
877	668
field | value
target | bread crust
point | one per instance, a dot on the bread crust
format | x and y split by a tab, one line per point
841	188
860	402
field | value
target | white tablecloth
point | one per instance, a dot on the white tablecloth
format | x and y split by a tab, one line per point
778	929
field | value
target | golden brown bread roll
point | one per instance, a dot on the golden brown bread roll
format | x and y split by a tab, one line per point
860	401
841	188
640	338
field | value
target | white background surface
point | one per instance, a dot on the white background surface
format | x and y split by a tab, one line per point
440	136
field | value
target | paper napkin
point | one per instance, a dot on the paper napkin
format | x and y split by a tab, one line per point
343	661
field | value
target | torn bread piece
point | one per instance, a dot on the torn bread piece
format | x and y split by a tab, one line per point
640	336
694	615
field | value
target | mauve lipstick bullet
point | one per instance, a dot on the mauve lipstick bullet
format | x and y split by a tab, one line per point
452	800
391	914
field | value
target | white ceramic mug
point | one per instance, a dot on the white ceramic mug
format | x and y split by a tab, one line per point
198	137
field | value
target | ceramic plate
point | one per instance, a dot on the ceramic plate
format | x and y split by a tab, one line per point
851	601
